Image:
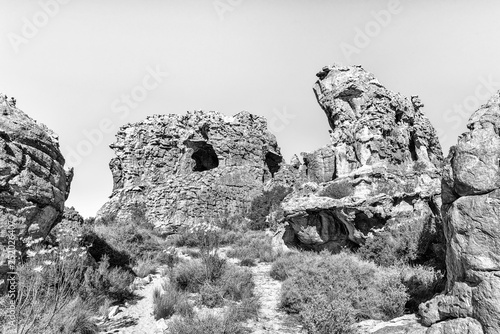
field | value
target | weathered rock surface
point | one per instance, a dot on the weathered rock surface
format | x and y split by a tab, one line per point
471	218
381	170
177	168
410	324
33	182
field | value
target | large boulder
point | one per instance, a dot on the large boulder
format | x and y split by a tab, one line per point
173	169
33	182
380	172
471	218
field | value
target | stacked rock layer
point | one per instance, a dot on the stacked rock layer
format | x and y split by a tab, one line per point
33	182
180	168
381	171
471	218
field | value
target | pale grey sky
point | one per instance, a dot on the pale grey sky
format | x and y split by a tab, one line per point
86	67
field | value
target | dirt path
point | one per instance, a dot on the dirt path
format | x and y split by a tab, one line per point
137	317
271	318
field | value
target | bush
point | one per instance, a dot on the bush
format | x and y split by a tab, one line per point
422	284
105	281
386	250
262	205
207	324
285	266
254	245
170	301
167	256
373	292
76	318
248	308
131	239
211	295
247	262
189	276
237	283
99	247
214	266
145	267
323	316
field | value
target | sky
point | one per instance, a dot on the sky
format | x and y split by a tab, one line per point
86	67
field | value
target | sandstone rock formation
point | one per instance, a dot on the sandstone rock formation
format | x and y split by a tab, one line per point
410	324
178	168
381	171
471	218
33	182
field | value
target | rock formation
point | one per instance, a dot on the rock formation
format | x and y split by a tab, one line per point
381	171
178	168
471	219
33	182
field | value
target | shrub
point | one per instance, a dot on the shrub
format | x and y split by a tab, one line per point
170	301
324	316
422	284
247	262
373	292
48	283
248	308
132	239
255	245
189	275
75	318
262	205
163	303
385	249
214	267
207	324
284	266
211	295
237	283
99	247
105	281
145	267
167	256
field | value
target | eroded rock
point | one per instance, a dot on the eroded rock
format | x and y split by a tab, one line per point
471	218
33	182
172	169
380	172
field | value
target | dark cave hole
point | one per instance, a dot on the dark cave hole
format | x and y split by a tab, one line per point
273	161
205	157
413	150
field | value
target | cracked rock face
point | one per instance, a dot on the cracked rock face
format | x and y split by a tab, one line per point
33	182
471	218
380	172
179	168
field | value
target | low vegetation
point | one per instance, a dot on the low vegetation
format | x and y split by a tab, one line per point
330	292
255	245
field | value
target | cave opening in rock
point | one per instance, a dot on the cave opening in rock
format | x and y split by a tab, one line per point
273	161
413	150
204	155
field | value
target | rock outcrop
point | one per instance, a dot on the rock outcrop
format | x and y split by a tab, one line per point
381	171
471	219
177	168
33	182
410	324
